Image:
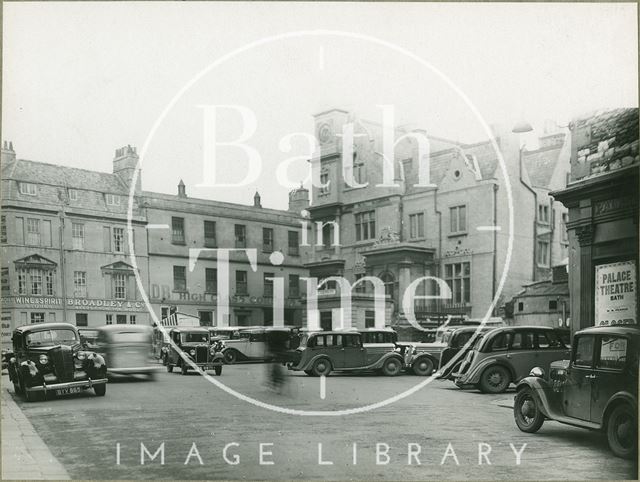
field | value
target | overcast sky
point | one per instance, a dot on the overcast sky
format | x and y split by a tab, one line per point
82	79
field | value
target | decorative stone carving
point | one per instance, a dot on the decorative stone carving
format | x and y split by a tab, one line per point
387	236
585	234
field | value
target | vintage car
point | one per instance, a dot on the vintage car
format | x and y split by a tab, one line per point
507	355
228	332
251	344
596	389
456	348
49	358
127	349
320	353
195	343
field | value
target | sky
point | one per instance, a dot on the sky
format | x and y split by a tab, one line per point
83	79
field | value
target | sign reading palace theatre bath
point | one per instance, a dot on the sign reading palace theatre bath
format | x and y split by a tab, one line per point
616	294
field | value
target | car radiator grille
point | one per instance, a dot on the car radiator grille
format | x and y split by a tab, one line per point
201	354
62	358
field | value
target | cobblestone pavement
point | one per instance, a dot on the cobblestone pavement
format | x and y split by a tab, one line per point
24	454
101	437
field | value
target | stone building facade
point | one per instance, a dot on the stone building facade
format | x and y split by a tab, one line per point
66	252
456	230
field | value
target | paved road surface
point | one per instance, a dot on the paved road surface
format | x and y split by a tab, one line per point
83	432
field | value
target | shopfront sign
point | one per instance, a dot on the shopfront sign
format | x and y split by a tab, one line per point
47	302
164	294
616	294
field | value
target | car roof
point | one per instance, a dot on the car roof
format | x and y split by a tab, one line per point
335	332
612	329
190	329
44	326
122	327
386	329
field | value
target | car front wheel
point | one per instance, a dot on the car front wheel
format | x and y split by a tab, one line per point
495	379
321	367
184	368
169	367
423	367
526	411
391	367
622	432
100	390
217	370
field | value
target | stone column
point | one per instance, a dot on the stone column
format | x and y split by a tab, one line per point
587	285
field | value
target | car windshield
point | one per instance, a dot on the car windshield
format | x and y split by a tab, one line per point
59	336
130	337
195	338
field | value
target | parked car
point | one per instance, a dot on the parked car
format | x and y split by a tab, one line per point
127	349
193	342
49	358
596	389
320	353
251	344
507	355
228	332
456	347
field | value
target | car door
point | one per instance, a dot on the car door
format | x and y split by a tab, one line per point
521	356
612	372
577	389
256	347
353	351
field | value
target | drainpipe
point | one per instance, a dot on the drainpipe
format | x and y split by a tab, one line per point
63	274
535	218
439	257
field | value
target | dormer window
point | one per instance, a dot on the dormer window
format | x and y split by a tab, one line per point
28	188
113	200
73	195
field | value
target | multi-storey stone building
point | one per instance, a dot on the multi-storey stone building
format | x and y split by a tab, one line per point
65	245
66	250
456	230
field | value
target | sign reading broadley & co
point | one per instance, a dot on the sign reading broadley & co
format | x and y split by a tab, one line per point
616	294
46	302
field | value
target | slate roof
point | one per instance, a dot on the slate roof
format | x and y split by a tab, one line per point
52	174
541	164
544	288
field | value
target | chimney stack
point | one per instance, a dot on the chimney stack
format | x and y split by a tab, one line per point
125	164
256	200
8	154
181	189
298	199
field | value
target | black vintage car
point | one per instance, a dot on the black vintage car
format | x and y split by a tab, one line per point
194	344
596	389
49	358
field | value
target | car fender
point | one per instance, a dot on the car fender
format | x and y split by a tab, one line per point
476	373
622	396
309	364
544	395
384	358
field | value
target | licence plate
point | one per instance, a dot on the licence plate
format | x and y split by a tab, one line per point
68	391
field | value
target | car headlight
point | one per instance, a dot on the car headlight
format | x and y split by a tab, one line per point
192	353
212	350
536	372
81	355
44	359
